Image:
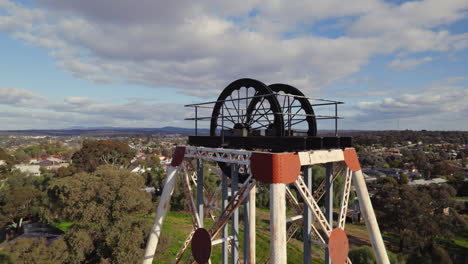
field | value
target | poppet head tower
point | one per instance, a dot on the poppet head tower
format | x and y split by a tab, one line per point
263	134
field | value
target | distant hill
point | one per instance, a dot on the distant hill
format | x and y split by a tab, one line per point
106	131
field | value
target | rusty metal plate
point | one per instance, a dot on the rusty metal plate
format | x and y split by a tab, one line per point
201	246
275	167
351	159
338	246
178	156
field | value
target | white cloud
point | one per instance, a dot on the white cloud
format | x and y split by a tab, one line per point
408	64
23	109
19	97
199	47
429	107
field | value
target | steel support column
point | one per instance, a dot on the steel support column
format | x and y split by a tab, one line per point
246	229
200	200
225	232
278	252
161	212
307	222
249	228
252	231
328	201
369	217
235	216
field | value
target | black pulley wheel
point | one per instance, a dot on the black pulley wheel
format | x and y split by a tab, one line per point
246	107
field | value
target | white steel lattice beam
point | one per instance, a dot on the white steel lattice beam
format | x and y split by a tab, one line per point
235	202
310	201
345	199
320	156
240	157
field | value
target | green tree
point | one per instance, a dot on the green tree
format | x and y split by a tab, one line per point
99	198
37	251
417	215
107	208
125	250
387	180
403	179
8	160
362	255
17	203
80	244
365	255
102	152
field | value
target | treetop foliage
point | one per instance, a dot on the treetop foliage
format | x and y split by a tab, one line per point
99	198
101	152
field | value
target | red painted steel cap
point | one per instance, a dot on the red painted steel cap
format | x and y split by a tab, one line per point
201	246
178	156
351	159
275	167
338	246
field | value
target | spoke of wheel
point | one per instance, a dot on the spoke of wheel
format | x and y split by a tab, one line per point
256	110
251	123
264	110
229	112
233	104
284	100
297	112
238	103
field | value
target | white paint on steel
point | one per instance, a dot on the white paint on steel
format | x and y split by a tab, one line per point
278	253
371	222
161	212
217	154
294	218
233	204
320	156
345	199
310	201
189	196
220	240
184	247
252	233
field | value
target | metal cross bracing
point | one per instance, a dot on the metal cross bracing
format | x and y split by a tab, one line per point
312	204
279	120
233	205
241	157
319	233
221	221
345	199
317	194
210	201
295	225
321	219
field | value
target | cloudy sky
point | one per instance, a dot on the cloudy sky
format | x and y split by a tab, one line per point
397	64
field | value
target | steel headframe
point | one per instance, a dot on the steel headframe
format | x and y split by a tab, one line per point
278	170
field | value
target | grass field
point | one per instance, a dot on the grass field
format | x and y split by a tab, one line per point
178	225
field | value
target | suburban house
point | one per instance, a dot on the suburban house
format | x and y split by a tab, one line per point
48	162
